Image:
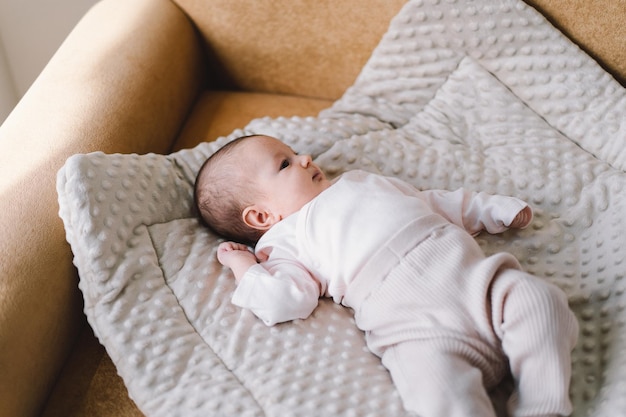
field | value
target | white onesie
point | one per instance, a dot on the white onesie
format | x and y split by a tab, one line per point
423	291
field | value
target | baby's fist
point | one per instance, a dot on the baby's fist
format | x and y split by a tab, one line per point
522	219
228	252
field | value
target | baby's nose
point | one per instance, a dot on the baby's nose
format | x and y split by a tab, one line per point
305	160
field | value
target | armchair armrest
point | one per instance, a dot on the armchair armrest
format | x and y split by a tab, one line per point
123	81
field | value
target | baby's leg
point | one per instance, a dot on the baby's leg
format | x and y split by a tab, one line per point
435	383
538	332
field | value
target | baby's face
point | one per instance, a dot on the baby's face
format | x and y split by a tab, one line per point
285	180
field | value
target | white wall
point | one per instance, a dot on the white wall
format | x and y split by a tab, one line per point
30	33
8	94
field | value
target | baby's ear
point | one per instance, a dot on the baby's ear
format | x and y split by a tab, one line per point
258	217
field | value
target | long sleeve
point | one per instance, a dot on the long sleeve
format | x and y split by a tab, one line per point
475	211
277	293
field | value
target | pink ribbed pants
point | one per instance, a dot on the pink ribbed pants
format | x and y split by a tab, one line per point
449	323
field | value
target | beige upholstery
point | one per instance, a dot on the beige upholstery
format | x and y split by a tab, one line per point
156	76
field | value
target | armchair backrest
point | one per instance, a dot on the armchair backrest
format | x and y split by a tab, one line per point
297	47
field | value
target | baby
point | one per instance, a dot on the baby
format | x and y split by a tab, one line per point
447	321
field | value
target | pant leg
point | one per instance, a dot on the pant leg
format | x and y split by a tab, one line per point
538	332
437	382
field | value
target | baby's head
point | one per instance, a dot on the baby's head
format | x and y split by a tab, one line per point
252	183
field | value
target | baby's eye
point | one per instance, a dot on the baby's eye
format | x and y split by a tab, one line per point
284	164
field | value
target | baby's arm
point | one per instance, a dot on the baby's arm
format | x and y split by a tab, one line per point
275	291
476	211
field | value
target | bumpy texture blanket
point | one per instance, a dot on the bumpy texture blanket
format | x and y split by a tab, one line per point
481	94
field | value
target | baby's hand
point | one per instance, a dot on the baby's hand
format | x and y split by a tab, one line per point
236	256
228	252
522	219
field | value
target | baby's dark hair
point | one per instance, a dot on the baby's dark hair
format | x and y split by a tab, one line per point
221	194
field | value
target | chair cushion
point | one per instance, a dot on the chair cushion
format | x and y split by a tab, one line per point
218	113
